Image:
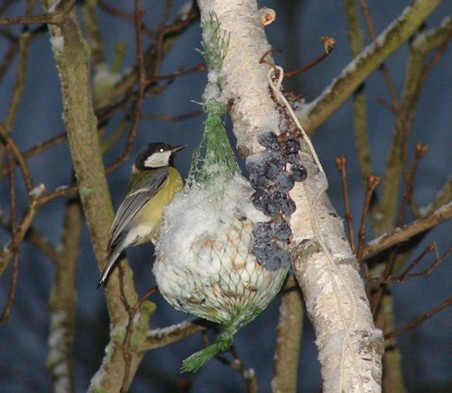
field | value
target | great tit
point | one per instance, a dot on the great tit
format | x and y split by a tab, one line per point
153	185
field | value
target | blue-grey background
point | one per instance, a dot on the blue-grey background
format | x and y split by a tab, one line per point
427	349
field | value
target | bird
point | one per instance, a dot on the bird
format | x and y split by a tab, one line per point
153	185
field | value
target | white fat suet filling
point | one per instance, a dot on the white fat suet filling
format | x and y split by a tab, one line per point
158	159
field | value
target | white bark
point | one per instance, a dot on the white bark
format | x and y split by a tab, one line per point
350	347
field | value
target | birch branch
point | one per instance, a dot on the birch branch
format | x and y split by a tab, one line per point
350	347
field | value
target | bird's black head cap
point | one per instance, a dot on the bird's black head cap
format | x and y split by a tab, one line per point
156	150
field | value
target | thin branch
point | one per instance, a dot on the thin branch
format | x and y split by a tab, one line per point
124	89
408	197
329	44
119	13
19	83
56	16
172	119
356	42
372	183
131	311
22	228
4	317
92	26
248	374
341	164
62	191
418	321
383	69
19	159
158	338
183	72
38	149
8	57
427	250
138	16
400	235
438	261
42	243
397	163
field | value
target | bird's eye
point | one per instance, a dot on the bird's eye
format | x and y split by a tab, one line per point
161	150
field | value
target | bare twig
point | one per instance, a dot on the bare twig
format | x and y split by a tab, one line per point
383	69
158	338
372	183
63	191
38	149
42	243
248	374
138	16
4	317
183	72
124	89
400	235
19	159
8	57
55	16
438	261
408	194
341	164
172	119
20	232
418	321
19	83
356	42
427	250
119	13
329	44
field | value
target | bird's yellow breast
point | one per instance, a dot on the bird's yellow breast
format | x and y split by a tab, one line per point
149	217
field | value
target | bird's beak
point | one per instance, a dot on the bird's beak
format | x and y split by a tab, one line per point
177	148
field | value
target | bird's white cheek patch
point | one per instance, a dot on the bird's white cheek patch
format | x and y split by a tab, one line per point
158	159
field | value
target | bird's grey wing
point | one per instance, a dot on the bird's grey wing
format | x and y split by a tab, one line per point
133	202
145	190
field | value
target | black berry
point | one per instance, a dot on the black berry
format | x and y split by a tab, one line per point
274	164
262	231
291	146
288	206
284	181
282	230
262	250
293	158
260	199
258	181
274	203
255	164
277	260
269	140
298	172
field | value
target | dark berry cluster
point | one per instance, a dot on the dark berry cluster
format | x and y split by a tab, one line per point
272	177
